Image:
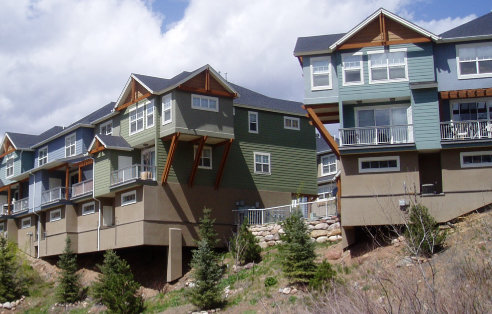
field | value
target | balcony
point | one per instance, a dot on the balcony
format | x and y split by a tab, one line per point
20	205
82	188
52	195
133	173
466	130
379	135
4	209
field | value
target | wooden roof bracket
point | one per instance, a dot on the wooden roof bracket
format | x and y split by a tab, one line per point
227	148
170	157
198	155
322	130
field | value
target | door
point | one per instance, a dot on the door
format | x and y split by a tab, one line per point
148	162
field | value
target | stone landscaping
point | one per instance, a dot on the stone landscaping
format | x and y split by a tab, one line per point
12	305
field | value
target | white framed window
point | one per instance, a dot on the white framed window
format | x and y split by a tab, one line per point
149	114
9	165
252	122
392	122
321	73
291	123
262	163
70	145
167	116
43	156
476	159
88	208
476	109
55	215
328	165
204	103
474	60
106	128
379	164
128	198
326	191
388	66
206	158
26	222
136	117
352	69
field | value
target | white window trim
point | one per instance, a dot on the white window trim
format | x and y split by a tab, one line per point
477	153
257	122
328	173
387	66
164	99
87	205
205	97
330	73
25	219
7	159
39	158
393	169
269	163
204	148
105	124
74	135
470	76
138	105
405	106
361	69
486	100
53	212
123	195
147	105
293	119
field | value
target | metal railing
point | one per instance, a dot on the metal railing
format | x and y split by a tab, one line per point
378	135
134	172
466	130
20	205
52	195
82	188
260	216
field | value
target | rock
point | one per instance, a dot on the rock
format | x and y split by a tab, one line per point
395	241
271	243
281	231
334	232
263	244
269	237
7	305
333	255
330	221
401	238
276	237
333	238
274	231
310	227
1	305
17	302
406	261
322	239
249	265
318	233
293	291
321	226
286	290
334	226
277	227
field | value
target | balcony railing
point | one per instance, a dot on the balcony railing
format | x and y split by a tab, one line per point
82	188
379	135
466	130
4	209
52	195
134	172
21	205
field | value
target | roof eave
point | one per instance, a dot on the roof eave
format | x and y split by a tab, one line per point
271	110
313	52
464	38
63	132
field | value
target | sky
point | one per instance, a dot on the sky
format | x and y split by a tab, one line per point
62	59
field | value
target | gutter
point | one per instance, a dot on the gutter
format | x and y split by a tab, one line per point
465	38
99	209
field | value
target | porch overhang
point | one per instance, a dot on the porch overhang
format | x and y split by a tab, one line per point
466	93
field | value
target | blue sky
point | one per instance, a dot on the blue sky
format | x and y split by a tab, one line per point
440	9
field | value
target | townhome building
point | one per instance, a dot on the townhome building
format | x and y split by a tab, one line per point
139	171
414	114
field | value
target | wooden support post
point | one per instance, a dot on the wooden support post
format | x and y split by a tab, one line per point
222	163
80	174
339	195
170	156
323	131
20	191
66	181
9	199
198	155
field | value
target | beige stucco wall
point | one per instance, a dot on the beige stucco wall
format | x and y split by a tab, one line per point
26	236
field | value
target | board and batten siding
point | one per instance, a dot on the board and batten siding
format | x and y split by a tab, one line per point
425	110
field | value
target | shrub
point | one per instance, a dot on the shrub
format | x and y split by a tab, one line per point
297	249
68	290
422	232
270	281
244	246
115	287
13	283
323	276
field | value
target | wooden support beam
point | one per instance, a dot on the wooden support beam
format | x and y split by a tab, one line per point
58	167
381	30
67	181
323	131
324	106
9	199
132	98
7	152
207	80
328	114
80	175
170	156
203	91
339	195
198	155
408	41
227	148
128	104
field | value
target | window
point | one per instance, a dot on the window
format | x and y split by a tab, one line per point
471	110
379	164
387	66
26	222
205	103
326	191
9	162
253	122
166	109
352	70
108	216
291	123
149	108
88	208
476	159
43	156
128	198
106	128
206	158
55	214
391	124
320	73
70	145
474	60
137	117
262	163
328	165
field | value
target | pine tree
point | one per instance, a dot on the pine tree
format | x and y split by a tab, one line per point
116	287
68	290
244	245
297	249
422	233
207	230
12	285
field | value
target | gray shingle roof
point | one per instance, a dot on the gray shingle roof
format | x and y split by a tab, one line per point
313	44
480	26
322	146
114	141
95	115
22	141
157	83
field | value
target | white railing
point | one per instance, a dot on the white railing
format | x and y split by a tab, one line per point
260	216
134	172
82	188
52	195
4	209
466	130
379	135
20	205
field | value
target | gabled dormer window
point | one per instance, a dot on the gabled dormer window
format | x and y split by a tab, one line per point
388	66
106	128
252	122
204	103
43	156
70	145
352	70
320	73
9	165
474	60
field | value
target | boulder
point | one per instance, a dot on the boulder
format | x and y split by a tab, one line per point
7	305
286	290
322	239
334	226
310	227
269	237
271	243
321	226
318	233
281	231
333	255
263	244
334	232
333	238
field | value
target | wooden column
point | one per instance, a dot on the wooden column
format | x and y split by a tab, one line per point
80	174
198	155
66	181
222	163
9	199
170	157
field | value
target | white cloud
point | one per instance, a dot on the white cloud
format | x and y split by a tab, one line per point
62	59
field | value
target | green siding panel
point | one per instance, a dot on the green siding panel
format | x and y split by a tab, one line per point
425	109
144	136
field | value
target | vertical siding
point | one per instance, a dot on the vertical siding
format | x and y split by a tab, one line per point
426	119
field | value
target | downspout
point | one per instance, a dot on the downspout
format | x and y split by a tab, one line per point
34	211
99	208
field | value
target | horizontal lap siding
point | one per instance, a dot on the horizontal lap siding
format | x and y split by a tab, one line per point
104	164
426	119
320	96
3	167
147	134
